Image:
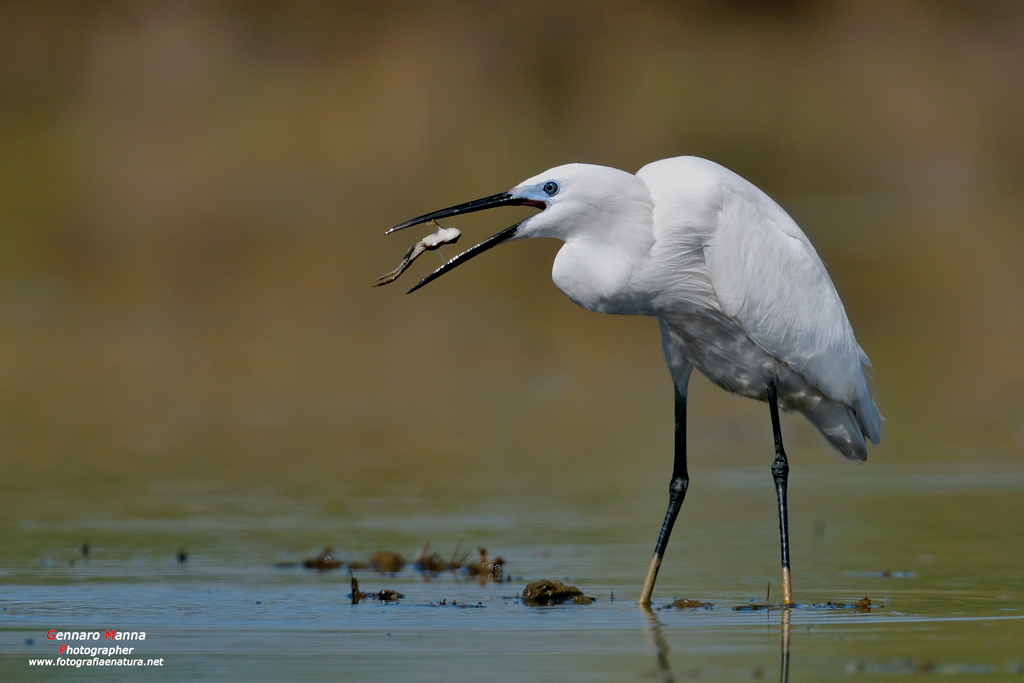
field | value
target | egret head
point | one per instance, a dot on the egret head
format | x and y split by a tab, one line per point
576	200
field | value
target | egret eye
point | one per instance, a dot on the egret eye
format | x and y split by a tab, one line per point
550	188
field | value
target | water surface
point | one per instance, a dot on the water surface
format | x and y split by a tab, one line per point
949	595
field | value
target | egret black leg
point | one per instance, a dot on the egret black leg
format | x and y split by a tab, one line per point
676	493
780	472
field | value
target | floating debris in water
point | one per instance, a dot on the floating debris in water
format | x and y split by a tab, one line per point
757	606
432	563
685	603
323	561
386	595
386	562
862	606
355	594
547	592
486	569
763	605
429	243
455	603
459	557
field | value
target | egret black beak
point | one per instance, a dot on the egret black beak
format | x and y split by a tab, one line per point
500	199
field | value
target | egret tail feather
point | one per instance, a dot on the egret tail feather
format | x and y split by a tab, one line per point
841	428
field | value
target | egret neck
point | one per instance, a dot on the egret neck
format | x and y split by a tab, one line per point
604	217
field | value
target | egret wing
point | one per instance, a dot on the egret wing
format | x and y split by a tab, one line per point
768	277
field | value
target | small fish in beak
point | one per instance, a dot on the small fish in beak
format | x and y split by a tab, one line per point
429	243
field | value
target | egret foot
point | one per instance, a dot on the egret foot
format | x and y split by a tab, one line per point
652	576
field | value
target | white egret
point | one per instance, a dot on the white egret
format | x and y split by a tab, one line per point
738	291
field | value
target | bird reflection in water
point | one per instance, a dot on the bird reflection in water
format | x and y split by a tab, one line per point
784	667
656	640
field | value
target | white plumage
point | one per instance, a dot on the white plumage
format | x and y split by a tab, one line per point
739	292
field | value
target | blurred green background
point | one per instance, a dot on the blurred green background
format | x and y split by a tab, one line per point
192	204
